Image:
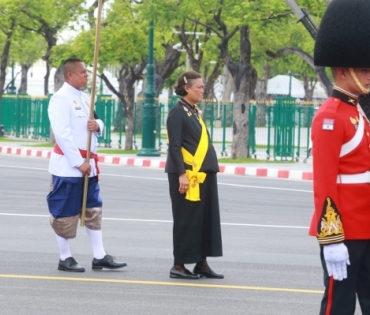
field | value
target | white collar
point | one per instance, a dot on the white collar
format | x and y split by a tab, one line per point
71	90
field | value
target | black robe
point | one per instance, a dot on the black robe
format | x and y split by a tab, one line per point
196	224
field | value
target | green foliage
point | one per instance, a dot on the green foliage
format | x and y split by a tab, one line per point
272	27
251	161
56	14
27	47
122	40
125	28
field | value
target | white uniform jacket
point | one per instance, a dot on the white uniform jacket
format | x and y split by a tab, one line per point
69	113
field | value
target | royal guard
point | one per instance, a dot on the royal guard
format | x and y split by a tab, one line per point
341	159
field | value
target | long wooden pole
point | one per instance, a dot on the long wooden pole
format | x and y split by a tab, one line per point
92	102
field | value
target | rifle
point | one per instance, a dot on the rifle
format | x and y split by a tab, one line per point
304	17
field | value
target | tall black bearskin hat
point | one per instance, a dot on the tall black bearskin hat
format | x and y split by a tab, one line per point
343	39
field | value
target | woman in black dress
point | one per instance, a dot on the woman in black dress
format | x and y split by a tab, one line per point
192	167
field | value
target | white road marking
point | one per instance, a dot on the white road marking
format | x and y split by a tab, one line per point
165	179
165	221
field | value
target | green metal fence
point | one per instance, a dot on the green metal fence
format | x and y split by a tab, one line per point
25	117
277	130
105	109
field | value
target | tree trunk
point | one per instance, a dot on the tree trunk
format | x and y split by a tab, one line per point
245	78
51	41
130	127
127	76
24	78
309	87
228	85
129	94
261	97
58	79
4	59
46	78
240	148
166	68
209	93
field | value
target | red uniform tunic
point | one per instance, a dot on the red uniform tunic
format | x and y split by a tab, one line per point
341	146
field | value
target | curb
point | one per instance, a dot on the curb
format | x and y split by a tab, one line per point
129	161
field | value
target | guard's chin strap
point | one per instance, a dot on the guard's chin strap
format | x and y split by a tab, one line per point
359	84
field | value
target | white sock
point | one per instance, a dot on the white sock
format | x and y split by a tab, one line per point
63	244
96	240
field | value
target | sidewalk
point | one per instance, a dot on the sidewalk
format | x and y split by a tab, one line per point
296	171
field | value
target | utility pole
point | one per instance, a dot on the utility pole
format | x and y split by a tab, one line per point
149	108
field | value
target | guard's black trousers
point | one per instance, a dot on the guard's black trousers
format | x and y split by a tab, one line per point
340	296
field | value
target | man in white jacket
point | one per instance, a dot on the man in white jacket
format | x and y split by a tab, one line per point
69	113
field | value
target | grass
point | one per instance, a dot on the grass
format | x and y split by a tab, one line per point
251	160
6	139
42	145
117	151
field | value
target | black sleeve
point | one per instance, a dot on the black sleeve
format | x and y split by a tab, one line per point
175	131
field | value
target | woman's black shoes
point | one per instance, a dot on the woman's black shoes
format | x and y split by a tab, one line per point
174	273
196	274
208	274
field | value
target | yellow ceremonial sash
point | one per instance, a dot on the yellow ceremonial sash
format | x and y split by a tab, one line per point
194	176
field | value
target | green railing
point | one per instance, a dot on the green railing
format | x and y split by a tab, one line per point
105	109
25	117
277	130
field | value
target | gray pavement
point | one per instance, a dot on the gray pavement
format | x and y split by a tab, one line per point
271	266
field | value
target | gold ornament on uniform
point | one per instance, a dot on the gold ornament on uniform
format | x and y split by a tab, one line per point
187	111
352	101
74	101
331	227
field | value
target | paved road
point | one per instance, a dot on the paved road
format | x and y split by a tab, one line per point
271	266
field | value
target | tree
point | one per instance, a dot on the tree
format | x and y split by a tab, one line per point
48	18
27	48
232	22
8	24
122	47
304	49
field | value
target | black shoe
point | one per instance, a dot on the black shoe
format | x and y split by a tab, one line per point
208	274
174	273
70	264
106	262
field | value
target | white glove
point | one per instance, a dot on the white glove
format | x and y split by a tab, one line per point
337	258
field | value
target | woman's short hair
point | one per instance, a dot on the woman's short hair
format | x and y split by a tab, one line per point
185	78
